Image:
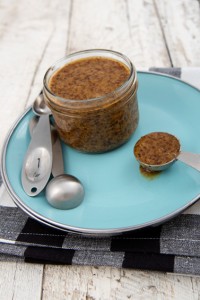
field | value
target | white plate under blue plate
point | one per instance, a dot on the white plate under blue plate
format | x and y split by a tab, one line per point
118	198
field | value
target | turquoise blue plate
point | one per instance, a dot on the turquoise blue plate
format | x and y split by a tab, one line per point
118	197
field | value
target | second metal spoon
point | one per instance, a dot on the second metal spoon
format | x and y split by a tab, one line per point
63	191
37	164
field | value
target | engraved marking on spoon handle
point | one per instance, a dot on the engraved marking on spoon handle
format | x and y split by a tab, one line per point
57	164
37	164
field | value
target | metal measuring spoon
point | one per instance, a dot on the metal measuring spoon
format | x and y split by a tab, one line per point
64	191
32	124
39	106
190	159
37	165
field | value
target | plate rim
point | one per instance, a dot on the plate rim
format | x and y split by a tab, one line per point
76	229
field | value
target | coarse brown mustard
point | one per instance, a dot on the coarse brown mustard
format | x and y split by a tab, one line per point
88	78
157	148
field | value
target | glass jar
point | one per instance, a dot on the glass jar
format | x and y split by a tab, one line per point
96	124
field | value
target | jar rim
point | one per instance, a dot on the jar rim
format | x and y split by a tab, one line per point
96	99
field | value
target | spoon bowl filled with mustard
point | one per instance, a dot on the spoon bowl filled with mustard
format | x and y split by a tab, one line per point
157	151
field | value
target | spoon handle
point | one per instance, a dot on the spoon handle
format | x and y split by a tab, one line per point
190	159
37	164
58	164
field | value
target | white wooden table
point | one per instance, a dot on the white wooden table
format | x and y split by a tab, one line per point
34	34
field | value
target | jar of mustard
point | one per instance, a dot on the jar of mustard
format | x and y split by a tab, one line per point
93	98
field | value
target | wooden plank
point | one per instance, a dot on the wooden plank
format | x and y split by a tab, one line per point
148	45
100	283
180	21
20	281
131	27
7	277
55	45
27	282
